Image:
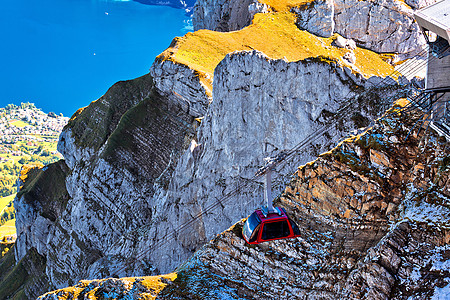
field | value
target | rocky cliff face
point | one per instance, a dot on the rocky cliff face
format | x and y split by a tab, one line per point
225	15
373	213
374	217
158	166
182	85
371	25
138	170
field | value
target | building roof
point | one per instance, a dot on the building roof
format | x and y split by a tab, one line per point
435	18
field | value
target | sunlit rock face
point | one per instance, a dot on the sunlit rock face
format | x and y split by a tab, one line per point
224	15
374	220
141	164
382	26
260	107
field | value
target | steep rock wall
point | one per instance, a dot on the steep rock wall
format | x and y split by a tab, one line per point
261	106
224	15
182	85
138	171
374	216
382	26
118	150
40	202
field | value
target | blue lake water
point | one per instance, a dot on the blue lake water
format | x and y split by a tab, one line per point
63	54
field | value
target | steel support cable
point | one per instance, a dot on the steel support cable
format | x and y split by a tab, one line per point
324	128
316	133
427	112
438	109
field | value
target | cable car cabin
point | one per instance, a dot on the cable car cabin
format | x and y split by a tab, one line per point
264	226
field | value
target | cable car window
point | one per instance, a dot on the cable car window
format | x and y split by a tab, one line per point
294	226
255	234
249	227
275	230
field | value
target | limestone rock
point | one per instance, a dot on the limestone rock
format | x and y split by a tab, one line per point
225	15
371	25
182	86
370	254
362	257
126	288
257	7
381	25
340	41
350	57
420	3
316	17
142	166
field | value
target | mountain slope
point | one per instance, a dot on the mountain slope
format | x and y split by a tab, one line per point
374	215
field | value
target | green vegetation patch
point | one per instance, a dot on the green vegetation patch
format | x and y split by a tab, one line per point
45	189
92	125
19	123
151	135
19	281
4	201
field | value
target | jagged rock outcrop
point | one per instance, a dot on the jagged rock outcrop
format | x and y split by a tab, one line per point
111	181
238	131
125	288
374	215
371	25
225	15
420	3
40	202
182	85
317	17
382	26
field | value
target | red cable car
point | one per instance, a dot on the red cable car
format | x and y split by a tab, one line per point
269	223
263	226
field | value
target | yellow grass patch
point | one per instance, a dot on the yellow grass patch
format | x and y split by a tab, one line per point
5	201
402	102
27	168
274	34
7	229
18	123
152	283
